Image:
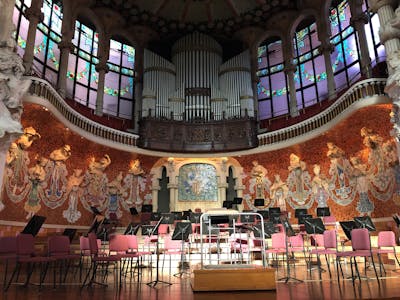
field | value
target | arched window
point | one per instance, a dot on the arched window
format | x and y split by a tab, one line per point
345	58
375	47
310	75
119	81
21	24
82	74
48	35
272	88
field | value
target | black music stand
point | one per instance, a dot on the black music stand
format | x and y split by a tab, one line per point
274	210
132	229
237	200
133	211
269	229
150	233
148	208
323	212
195	217
347	227
177	215
301	218
288	232
34	225
155	216
70	233
365	222
264	213
396	218
186	215
181	232
314	225
275	217
300	212
259	202
227	204
167	218
247	218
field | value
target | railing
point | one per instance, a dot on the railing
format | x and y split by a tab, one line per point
41	88
358	93
361	90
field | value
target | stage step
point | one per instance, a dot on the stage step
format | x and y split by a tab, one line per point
233	278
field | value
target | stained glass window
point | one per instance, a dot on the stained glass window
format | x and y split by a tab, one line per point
272	87
375	47
21	24
310	75
345	57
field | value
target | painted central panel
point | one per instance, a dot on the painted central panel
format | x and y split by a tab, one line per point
197	182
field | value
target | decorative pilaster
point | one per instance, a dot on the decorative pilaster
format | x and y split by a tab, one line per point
327	48
35	16
7	26
102	69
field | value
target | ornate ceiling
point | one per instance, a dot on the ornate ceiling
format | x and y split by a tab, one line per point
171	17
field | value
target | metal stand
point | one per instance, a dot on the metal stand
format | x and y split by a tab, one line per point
288	277
154	283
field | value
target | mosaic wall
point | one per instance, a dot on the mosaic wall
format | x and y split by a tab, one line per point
52	171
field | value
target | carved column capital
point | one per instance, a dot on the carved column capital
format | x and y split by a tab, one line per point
374	5
34	14
102	66
66	45
290	67
326	47
359	20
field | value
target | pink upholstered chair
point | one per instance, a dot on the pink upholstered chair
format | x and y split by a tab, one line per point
171	248
278	245
329	247
361	244
8	252
386	245
98	258
26	255
59	247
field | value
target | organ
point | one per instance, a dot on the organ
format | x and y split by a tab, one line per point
197	102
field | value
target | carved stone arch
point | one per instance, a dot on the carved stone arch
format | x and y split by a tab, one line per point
268	34
303	15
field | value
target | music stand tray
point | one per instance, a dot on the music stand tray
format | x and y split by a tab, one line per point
365	222
237	200
347	227
34	225
149	230
167	218
245	218
300	212
182	231
132	229
195	217
155	216
227	204
301	218
314	226
70	233
269	229
323	212
259	202
147	208
264	213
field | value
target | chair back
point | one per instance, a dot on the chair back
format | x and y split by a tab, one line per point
386	239
163	229
360	239
278	240
318	240
8	245
132	243
94	247
330	239
329	219
296	241
25	244
58	245
118	243
170	244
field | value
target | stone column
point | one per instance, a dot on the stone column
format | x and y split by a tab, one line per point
389	34
358	21
65	46
137	109
35	16
289	69
102	69
12	86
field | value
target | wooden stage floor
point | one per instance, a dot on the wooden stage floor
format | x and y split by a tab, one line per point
180	289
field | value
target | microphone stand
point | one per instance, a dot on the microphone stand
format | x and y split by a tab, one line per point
157	280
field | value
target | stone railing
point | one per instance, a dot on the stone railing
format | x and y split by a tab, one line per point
356	97
42	89
361	91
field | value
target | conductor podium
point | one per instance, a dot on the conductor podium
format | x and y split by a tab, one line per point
229	276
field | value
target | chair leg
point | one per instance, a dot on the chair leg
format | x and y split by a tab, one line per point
395	256
327	264
17	267
373	264
381	266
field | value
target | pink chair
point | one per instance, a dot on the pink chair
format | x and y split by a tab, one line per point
296	245
8	252
171	247
386	245
361	244
278	245
133	247
59	247
97	258
26	255
329	244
